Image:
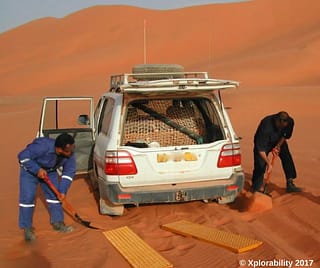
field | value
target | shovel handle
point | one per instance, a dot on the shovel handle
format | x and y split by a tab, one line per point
274	156
272	163
61	198
53	188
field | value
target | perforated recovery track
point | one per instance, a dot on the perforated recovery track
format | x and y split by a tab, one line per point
234	242
137	252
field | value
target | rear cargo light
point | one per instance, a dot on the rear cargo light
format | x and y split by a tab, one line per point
119	163
229	156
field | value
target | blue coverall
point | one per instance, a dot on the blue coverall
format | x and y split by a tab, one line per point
41	154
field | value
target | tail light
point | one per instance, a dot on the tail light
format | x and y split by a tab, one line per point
229	155
119	163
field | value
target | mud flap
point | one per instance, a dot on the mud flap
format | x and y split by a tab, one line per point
226	199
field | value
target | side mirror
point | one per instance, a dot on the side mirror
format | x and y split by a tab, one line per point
83	119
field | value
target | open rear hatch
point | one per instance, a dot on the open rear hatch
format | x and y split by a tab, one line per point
177	138
173	128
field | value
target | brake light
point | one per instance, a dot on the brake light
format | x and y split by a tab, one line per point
119	163
229	156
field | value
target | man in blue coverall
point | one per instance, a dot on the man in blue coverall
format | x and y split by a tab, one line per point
271	136
39	159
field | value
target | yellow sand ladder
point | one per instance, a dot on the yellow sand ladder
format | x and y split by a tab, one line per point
137	252
234	242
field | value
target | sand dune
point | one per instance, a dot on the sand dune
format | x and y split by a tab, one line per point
270	46
86	47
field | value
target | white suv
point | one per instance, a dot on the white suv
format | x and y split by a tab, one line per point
160	135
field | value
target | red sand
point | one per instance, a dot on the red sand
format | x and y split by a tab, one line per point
270	46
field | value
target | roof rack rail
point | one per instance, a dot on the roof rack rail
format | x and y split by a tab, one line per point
134	82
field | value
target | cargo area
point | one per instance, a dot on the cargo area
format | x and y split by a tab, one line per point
171	122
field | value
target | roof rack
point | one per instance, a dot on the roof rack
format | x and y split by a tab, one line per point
139	82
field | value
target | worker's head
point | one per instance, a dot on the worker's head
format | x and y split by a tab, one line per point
64	145
282	119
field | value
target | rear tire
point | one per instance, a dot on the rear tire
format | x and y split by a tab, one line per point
93	179
107	208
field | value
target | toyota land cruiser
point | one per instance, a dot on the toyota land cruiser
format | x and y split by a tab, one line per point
159	134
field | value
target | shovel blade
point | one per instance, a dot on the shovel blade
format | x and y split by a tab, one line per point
259	202
85	223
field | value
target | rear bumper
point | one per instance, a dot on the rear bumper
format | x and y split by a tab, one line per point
173	192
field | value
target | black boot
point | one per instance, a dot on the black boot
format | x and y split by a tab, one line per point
291	188
61	227
29	234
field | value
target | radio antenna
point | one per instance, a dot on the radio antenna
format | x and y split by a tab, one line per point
211	55
144	42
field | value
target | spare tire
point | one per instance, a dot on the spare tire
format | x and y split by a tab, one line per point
166	71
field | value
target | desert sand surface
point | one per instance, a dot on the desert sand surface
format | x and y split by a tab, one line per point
270	46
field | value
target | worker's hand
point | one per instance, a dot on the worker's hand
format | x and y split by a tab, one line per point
42	173
276	151
62	197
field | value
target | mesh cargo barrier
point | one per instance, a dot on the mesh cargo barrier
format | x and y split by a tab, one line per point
143	127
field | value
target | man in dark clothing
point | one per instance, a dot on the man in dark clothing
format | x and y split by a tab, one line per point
271	136
43	157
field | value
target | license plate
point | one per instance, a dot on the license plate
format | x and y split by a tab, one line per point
176	157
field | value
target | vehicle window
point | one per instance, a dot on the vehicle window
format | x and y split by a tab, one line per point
171	122
64	113
105	117
211	118
97	113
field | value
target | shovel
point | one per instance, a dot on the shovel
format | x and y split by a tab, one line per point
262	200
267	179
66	205
274	156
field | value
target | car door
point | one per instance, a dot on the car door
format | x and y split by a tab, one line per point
73	115
107	114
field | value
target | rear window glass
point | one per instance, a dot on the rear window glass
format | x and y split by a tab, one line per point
171	122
